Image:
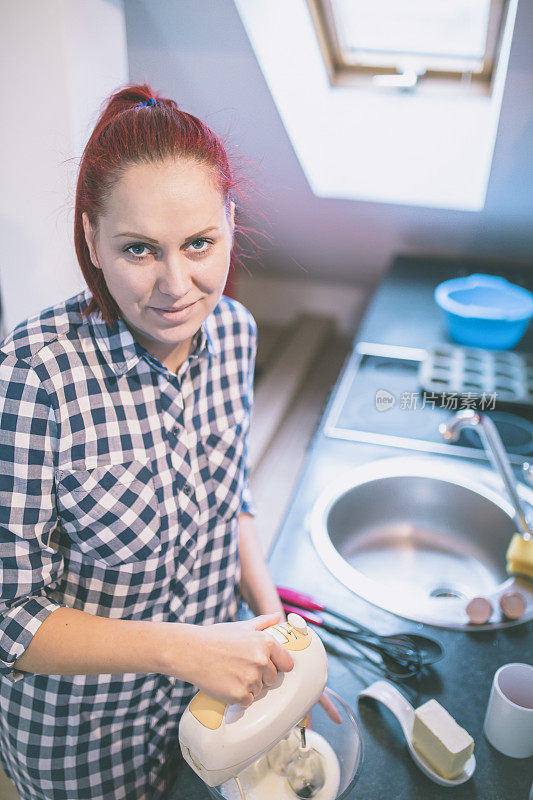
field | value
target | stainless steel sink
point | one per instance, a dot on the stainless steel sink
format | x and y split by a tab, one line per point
420	536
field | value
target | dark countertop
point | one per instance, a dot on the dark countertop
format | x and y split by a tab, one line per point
461	681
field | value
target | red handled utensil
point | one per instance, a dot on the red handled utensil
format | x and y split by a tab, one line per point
426	649
393	661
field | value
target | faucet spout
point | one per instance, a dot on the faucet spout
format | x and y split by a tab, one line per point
468	418
493	446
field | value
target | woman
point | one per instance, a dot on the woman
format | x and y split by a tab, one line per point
126	522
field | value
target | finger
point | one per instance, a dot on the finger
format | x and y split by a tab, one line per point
247	700
330	708
256	687
281	657
270	674
265	621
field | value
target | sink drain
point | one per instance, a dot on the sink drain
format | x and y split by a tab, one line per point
446	592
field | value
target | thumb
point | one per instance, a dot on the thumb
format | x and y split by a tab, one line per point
265	621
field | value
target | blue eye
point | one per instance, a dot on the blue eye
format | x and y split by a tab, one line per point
137	246
200	245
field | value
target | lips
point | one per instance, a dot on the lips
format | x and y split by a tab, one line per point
175	315
180	308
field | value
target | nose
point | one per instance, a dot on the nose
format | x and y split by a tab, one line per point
174	279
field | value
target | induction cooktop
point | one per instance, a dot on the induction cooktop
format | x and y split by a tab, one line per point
381	400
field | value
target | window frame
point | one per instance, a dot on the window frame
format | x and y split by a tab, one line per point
343	73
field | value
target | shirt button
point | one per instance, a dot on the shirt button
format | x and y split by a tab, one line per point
176	430
188	489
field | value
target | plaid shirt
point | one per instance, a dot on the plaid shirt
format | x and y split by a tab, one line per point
120	486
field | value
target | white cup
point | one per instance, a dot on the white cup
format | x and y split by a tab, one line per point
509	719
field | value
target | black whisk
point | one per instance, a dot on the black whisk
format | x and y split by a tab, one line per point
401	655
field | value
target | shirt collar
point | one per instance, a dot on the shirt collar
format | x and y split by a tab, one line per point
122	352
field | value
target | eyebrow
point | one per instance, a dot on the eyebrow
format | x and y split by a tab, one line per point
154	241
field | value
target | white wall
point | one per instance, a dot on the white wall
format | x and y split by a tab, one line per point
59	59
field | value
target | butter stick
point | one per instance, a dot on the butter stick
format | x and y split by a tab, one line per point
440	740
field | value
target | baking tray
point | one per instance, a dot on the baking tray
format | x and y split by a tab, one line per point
487	378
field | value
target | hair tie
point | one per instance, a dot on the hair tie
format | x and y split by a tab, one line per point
151	102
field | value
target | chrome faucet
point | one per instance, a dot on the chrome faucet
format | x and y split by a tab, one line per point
493	445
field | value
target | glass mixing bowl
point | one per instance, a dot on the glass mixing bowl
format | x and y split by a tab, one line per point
344	738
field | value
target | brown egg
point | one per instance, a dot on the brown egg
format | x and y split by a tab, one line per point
513	605
479	610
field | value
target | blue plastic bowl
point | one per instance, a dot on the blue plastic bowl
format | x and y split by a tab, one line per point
485	311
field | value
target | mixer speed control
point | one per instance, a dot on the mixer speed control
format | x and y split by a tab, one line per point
278	634
298	623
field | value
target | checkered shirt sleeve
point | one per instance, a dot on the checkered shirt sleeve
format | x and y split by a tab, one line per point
28	566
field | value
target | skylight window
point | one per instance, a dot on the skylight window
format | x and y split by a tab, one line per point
401	43
429	147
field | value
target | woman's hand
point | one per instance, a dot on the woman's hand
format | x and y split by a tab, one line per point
233	661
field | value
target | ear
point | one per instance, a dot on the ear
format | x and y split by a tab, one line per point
90	237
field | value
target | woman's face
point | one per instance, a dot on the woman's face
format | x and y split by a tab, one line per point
163	243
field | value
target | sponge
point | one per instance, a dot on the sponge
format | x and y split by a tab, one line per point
520	556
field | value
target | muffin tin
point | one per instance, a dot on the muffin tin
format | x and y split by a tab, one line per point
503	377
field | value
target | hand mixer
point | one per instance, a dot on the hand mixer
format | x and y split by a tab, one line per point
219	741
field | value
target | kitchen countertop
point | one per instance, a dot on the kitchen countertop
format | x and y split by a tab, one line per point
461	681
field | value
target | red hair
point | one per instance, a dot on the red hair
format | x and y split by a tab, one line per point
125	134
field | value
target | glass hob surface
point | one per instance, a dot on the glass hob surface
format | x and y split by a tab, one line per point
379	399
